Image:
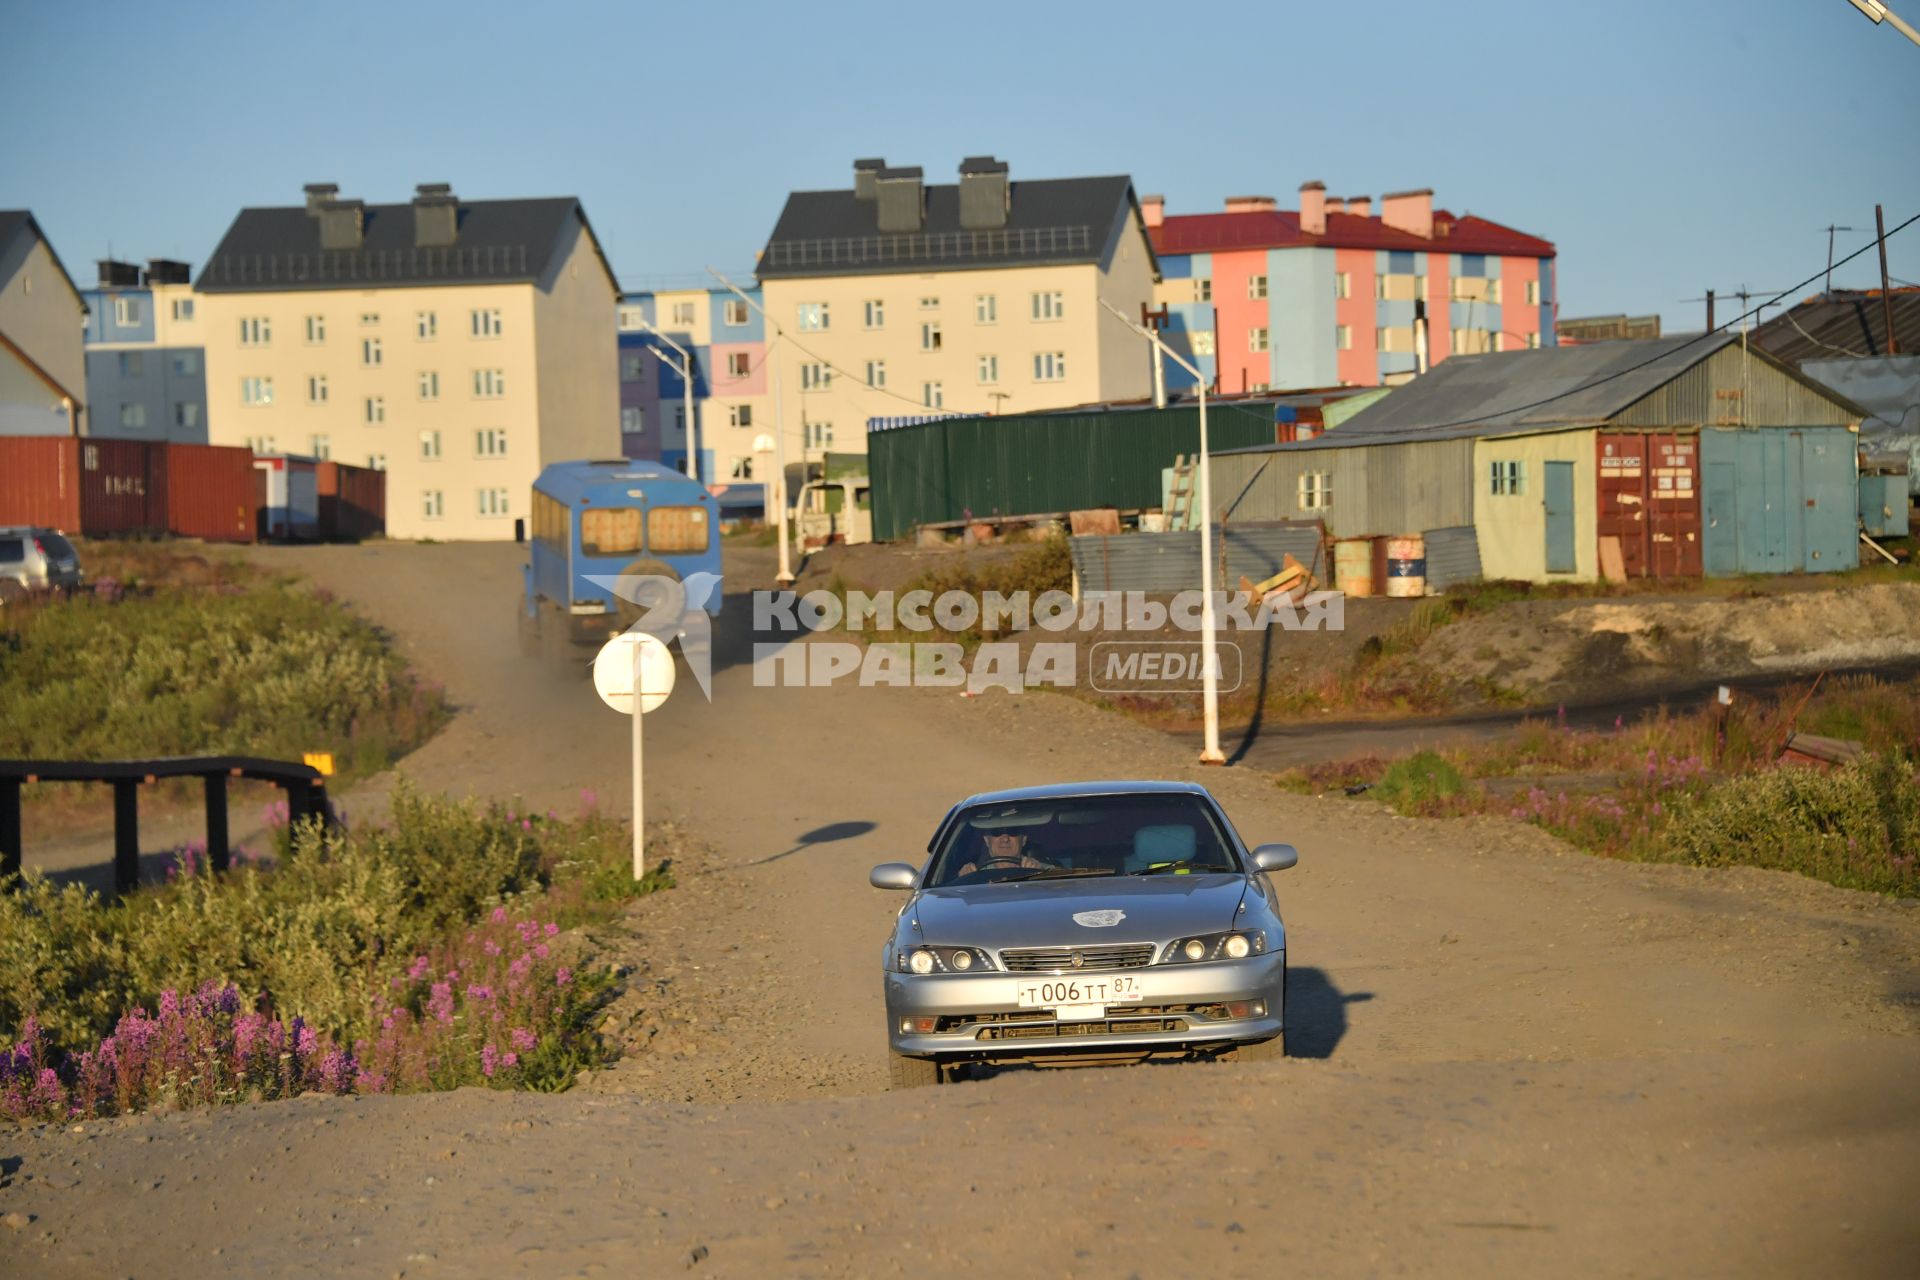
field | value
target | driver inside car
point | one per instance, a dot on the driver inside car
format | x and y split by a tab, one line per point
1004	850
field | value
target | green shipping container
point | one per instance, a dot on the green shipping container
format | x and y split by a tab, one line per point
1040	463
1779	500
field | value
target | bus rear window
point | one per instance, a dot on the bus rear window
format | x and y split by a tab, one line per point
610	531
676	530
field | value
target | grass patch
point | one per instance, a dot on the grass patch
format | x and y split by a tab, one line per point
1420	783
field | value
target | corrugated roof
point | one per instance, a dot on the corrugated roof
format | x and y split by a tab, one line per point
1280	229
499	242
1846	322
1516	392
1050	222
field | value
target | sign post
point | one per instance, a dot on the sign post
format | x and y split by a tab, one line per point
633	673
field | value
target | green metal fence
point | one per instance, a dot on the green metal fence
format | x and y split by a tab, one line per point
1033	464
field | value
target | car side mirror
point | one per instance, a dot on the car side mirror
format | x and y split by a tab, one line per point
894	875
1275	857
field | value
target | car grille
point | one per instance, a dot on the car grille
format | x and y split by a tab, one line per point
1126	955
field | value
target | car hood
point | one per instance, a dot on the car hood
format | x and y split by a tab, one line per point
1041	913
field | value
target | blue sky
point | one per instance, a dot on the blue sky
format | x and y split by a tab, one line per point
1666	146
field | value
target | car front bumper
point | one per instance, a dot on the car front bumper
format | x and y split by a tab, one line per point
979	1016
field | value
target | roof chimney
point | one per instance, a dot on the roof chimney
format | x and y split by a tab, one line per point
985	195
166	271
1409	211
1360	206
318	193
1313	208
1336	204
901	197
342	224
1153	210
436	215
864	173
1251	204
117	275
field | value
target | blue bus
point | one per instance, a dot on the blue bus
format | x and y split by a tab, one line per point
608	519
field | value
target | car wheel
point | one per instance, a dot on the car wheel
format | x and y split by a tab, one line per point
912	1073
1260	1050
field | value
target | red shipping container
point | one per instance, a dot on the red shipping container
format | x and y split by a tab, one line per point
123	487
210	492
353	502
40	482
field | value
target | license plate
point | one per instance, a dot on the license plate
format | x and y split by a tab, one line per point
1087	997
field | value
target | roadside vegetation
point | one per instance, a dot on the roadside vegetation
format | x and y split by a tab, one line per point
1706	788
173	652
429	953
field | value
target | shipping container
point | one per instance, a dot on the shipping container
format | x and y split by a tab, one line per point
287	489
123	488
1649	503
352	502
40	482
210	492
1781	501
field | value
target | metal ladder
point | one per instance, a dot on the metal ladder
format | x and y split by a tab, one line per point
1180	494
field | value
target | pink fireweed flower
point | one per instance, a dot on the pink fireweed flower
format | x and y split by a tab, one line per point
440	1003
562	976
552	929
524	1040
419	969
499	915
491	947
542	951
479	992
512	1059
489	1059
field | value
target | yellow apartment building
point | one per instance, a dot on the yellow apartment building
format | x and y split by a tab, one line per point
460	346
897	298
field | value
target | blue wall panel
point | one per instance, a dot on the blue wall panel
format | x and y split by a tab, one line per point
1300	318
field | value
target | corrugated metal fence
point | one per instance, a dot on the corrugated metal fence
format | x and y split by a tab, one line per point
1453	557
1035	464
1169	562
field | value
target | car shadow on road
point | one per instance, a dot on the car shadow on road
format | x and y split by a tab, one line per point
1317	1012
828	834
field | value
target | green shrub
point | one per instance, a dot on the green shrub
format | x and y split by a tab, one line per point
1046	566
1856	826
1421	783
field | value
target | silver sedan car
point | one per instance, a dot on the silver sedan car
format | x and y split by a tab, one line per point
1101	921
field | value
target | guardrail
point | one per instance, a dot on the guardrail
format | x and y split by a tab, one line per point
305	787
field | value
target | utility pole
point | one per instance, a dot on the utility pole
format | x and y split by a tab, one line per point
1709	311
1886	294
685	370
1830	230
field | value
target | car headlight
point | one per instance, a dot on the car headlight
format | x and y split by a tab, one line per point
1236	944
944	960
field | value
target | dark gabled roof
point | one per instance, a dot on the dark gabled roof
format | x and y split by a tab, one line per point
17	222
1050	222
499	242
1846	322
1280	229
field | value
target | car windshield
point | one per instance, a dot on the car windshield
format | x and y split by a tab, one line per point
1082	836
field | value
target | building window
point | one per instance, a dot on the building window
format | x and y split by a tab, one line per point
255	331
812	317
932	395
489	384
683	313
1259	388
739	415
429	444
680	421
633	419
259	444
1457	288
485	322
429	385
126	312
1493	340
1532	293
1379	288
432	504
1316	490
1343	336
133	364
1049	366
369	317
426	325
1533	341
256	391
876	373
876	313
490	442
1343	284
819	435
186	364
1380	342
1493	289
986	309
376	462
1203	289
742	469
133	416
739	364
183	309
370	353
735	314
930	336
1256	286
317	388
633	368
375	411
1507	479
989	369
316	330
1257	339
186	413
929	304
631	318
320	447
815	376
1049	306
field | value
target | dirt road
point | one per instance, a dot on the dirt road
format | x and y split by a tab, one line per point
1510	1055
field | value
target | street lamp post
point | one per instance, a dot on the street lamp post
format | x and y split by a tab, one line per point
685	370
1209	664
1879	13
785	577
